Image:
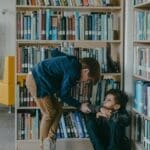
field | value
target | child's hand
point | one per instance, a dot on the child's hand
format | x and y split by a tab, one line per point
84	108
100	114
104	113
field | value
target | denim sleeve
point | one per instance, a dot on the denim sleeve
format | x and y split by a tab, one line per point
55	53
65	91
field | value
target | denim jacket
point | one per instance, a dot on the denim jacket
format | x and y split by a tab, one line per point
57	75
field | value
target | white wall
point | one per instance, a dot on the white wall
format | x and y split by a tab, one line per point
7	30
7	27
128	82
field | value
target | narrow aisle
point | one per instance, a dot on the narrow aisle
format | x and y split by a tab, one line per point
7	130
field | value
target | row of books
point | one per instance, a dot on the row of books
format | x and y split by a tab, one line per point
46	24
82	92
142	25
69	3
27	57
95	94
142	97
100	89
23	97
101	54
136	2
28	124
71	125
142	130
141	61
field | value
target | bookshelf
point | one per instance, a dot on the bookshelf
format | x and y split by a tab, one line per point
107	38
141	75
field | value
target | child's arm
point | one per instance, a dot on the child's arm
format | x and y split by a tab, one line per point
65	94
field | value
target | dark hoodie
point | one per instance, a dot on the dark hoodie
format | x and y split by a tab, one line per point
109	134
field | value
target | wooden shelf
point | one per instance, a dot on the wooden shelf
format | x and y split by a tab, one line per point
102	74
25	107
71	144
77	43
22	74
143	5
57	42
59	139
111	74
143	115
28	107
139	146
66	8
140	78
69	108
142	41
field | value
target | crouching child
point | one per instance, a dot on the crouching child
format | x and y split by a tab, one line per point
106	127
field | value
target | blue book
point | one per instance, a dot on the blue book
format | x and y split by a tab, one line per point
63	125
72	117
29	27
54	28
25	27
77	31
79	125
61	130
47	23
139	96
37	15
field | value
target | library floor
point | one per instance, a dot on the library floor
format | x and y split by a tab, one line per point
7	129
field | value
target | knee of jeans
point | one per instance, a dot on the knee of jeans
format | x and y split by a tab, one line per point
49	115
46	116
60	109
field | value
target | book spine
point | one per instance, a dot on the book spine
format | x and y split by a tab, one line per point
62	120
138	96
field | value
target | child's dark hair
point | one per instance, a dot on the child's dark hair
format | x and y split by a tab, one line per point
121	97
93	66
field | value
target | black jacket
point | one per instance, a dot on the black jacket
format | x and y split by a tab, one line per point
109	134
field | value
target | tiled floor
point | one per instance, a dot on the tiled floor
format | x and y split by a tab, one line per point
7	129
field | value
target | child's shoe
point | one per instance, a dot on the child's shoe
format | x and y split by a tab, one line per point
53	145
48	144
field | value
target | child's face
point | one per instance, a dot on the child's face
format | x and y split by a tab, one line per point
85	75
109	102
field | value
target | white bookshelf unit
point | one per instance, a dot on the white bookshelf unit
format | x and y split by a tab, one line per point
141	75
110	34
